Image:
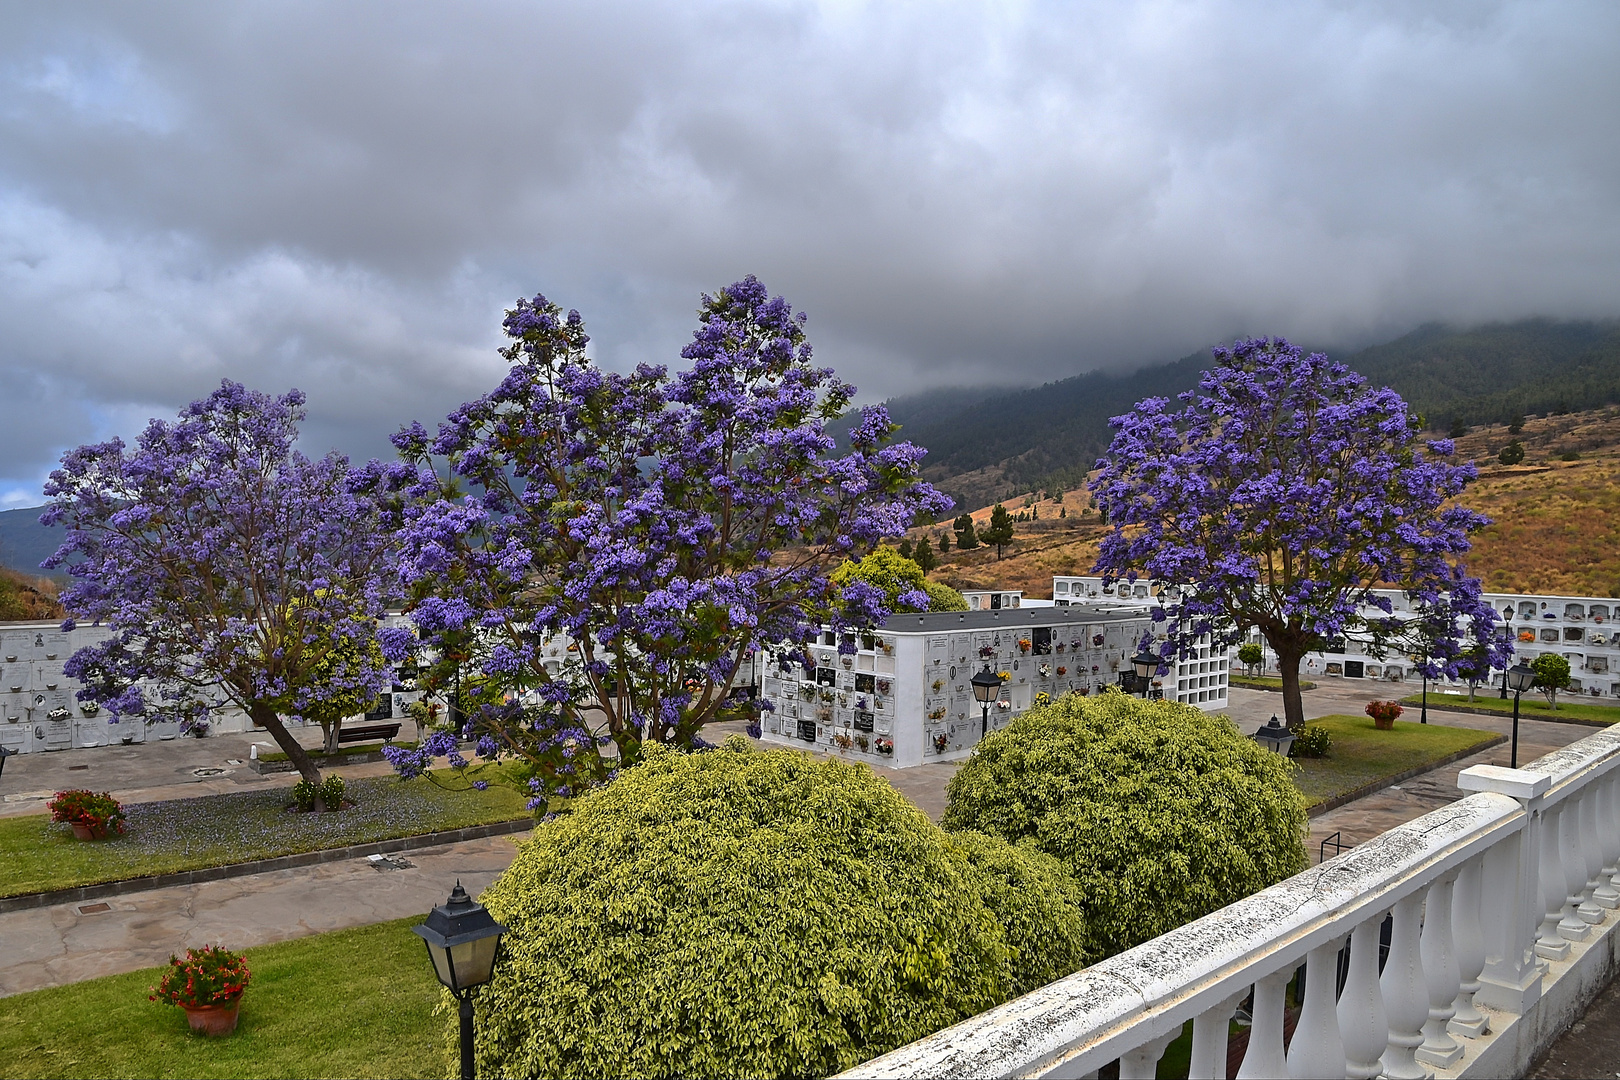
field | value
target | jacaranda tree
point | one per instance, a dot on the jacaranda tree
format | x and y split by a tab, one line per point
1281	493
665	527
230	567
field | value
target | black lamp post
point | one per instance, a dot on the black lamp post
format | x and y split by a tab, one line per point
1507	638
5	753
1146	664
986	688
1275	737
1520	678
463	942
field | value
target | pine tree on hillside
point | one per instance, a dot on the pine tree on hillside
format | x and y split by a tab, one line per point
1000	530
924	556
966	539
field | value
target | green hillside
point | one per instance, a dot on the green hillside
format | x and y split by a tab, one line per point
983	448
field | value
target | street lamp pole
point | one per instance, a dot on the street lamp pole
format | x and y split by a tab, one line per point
1521	678
1507	639
463	942
1146	665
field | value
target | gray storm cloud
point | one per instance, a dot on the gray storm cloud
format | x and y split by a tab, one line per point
345	197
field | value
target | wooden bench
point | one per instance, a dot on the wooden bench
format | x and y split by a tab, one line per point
365	732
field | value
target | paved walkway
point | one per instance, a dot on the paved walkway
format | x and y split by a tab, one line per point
71	942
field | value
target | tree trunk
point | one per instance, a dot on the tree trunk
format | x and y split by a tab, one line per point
1288	667
266	718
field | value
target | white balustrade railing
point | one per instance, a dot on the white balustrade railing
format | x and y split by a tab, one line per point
1481	897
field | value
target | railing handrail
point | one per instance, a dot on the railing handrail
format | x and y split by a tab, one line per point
1147	993
1091	1017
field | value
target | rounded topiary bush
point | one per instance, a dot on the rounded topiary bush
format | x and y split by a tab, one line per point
1160	812
744	913
1039	906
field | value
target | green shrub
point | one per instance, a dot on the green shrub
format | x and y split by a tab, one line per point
1313	741
1251	655
332	792
1160	812
303	795
741	913
1040	908
942	597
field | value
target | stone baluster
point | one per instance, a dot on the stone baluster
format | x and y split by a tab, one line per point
1573	859
1265	1059
1211	1030
1143	1062
1466	934
1592	848
1550	945
1513	889
1608	894
1316	1049
1442	975
1406	992
1363	1025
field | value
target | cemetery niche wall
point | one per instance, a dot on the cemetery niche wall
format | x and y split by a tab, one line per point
903	697
40	711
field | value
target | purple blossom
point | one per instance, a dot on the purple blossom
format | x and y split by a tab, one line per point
664	526
228	565
1281	493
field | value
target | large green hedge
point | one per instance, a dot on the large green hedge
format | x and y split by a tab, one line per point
1161	812
739	913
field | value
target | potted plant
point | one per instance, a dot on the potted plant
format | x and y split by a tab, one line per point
986	652
1384	714
208	984
92	816
90	708
1062	670
941	741
843	740
1023	645
885	746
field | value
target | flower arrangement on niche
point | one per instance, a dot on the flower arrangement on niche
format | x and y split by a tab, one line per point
1062	670
1023	644
1003	675
937	714
1043	698
1097	640
986	652
883	686
941	741
843	740
1046	671
884	746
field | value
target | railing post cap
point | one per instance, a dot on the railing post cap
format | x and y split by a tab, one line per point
1514	783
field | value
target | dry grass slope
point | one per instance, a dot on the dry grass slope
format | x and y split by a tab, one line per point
1556	523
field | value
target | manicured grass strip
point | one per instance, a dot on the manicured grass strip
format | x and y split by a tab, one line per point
1263	682
349	748
1362	754
348	1003
1569	707
240	826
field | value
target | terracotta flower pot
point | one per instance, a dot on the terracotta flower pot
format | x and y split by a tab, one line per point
86	832
1384	724
213	1019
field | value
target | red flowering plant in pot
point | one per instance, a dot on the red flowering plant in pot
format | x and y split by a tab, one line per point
208	984
1384	714
92	816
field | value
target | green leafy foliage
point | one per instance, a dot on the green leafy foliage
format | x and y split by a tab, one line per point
737	913
1000	530
1552	675
1161	812
1512	453
896	575
1251	655
1312	741
942	597
924	556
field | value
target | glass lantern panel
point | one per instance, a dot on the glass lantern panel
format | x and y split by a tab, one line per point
441	964
473	960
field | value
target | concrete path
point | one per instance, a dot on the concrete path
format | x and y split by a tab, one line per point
71	942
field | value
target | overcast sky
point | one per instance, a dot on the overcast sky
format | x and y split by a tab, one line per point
345	197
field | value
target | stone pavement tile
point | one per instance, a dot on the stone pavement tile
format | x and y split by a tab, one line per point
1591	1046
61	944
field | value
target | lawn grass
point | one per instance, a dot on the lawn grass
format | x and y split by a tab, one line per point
1362	754
348	1003
240	826
322	757
1570	707
1264	682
